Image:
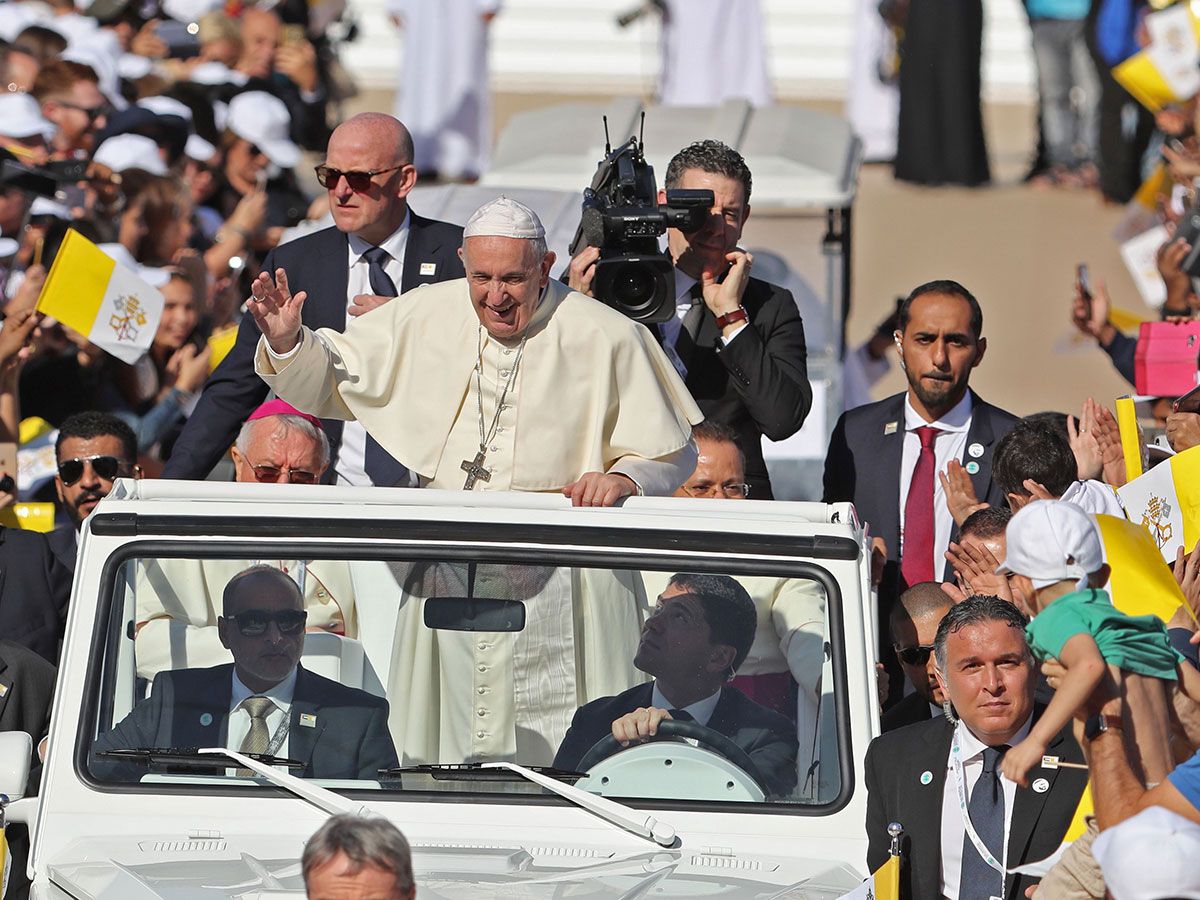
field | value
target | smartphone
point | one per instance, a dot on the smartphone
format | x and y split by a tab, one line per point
1189	402
181	40
292	34
1084	282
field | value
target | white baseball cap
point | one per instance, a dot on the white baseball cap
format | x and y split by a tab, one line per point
264	120
149	274
1050	541
130	151
199	149
166	106
21	117
1167	841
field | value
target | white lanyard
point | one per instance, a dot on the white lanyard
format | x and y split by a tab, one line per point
956	765
281	734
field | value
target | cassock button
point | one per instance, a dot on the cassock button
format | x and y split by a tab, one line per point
504	373
481	734
481	712
482	668
483	690
482	646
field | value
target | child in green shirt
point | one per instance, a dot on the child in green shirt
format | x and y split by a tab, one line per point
1054	551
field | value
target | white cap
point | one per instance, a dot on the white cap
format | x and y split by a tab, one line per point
131	67
1050	541
152	276
104	64
166	106
504	217
216	73
42	206
21	117
130	151
1150	856
198	148
8	247
189	10
16	17
264	121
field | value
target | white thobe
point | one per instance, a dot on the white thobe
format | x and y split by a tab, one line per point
444	96
872	107
713	51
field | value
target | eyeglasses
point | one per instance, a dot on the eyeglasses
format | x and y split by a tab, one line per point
93	112
914	656
271	474
254	622
360	182
730	490
106	467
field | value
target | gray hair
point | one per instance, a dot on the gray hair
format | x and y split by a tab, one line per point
372	841
975	611
288	422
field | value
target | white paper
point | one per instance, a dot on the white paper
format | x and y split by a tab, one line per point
1151	500
1173	49
1140	257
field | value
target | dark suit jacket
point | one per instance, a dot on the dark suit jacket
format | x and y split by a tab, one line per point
64	544
894	766
34	590
190	708
863	466
315	263
768	738
912	709
758	385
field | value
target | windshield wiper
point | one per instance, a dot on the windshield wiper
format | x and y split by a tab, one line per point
191	757
624	817
471	772
320	797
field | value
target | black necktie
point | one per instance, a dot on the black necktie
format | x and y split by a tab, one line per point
380	466
978	880
689	327
381	282
681	715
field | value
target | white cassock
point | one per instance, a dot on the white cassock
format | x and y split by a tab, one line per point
179	600
872	106
444	96
593	392
713	51
472	696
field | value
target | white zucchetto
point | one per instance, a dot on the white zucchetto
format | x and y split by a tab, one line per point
504	217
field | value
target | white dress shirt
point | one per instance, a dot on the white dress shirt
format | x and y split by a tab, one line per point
953	832
670	329
239	719
701	710
950	444
350	463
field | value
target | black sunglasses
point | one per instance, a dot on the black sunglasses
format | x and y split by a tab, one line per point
360	182
254	622
914	656
106	467
92	112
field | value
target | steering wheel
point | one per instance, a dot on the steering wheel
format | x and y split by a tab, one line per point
677	728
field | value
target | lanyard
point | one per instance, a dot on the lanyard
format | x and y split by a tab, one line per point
280	735
956	764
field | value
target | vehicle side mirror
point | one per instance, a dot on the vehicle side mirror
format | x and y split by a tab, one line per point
474	614
16	751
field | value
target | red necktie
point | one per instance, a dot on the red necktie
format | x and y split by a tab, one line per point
916	563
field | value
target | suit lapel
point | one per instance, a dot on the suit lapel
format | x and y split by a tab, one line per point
1028	805
925	829
6	687
305	726
981	435
890	437
421	249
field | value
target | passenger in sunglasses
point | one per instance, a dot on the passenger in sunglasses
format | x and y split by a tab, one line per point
263	702
280	445
69	93
93	449
914	624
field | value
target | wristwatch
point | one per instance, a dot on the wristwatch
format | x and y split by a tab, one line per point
737	315
1100	723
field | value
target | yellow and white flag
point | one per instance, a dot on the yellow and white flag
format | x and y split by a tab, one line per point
5	863
884	884
87	290
1166	500
1165	72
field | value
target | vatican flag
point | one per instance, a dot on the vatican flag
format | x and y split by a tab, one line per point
1166	500
87	290
1165	71
5	863
884	884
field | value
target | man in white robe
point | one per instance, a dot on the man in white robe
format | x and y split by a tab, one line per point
444	95
713	51
506	380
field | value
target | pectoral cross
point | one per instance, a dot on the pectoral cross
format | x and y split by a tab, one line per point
475	471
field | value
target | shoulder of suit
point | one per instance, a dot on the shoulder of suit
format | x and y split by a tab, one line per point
22	542
449	229
888	407
759	291
756	714
998	416
326	240
908	738
24	660
206	675
326	691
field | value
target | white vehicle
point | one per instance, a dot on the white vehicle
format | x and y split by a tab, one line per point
484	620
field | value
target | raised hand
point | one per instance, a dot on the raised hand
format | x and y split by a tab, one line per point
727	296
976	567
1089	460
276	310
960	492
1108	436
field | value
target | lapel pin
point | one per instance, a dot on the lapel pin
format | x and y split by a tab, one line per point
1053	762
1040	785
308	720
891	427
972	468
975	450
926	777
3	689
206	719
428	268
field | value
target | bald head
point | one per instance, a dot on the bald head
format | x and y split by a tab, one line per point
374	143
921	601
386	133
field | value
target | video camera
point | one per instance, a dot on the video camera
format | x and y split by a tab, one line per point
45	181
622	216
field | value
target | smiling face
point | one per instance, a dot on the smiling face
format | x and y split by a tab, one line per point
705	248
938	351
264	660
179	314
506	280
989	678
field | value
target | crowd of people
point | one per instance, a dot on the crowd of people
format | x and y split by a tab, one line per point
498	370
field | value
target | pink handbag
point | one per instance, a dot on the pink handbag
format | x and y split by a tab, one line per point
1165	364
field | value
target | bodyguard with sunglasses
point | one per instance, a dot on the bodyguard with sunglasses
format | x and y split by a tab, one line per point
914	623
264	702
377	249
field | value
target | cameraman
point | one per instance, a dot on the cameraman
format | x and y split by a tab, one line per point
738	341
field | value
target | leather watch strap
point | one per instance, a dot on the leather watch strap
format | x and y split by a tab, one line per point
737	315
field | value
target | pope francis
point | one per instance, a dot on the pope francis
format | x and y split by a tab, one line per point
504	380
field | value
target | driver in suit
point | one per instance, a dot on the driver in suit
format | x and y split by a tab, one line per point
700	632
264	701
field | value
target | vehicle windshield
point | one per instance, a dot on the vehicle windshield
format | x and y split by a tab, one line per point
404	674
